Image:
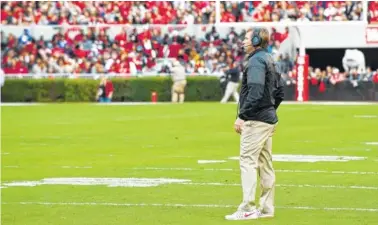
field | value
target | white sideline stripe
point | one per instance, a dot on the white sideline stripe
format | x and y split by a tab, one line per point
76	167
327	103
184	205
211	161
371	143
280	171
332	103
63	167
288	185
130	182
213	169
19	104
365	116
132	103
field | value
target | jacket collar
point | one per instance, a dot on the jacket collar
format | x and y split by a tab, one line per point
255	52
245	63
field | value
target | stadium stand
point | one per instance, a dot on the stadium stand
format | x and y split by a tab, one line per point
107	12
177	12
273	11
133	52
373	12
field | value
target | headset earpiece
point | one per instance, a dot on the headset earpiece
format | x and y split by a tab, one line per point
256	39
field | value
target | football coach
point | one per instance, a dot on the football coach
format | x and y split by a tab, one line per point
260	95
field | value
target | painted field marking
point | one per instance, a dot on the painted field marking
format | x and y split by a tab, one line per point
109	182
208	169
151	182
366	116
371	143
76	167
131	103
184	205
327	103
331	103
289	185
210	161
19	104
237	170
351	149
46	167
310	158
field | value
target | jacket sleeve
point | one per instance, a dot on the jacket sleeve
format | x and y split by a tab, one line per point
255	83
279	94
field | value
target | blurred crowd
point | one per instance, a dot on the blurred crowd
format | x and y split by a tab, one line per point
92	51
107	12
177	12
333	75
268	11
131	51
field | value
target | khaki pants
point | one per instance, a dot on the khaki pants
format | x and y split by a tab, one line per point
178	91
256	159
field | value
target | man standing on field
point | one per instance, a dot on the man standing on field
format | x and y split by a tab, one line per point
179	82
260	95
232	75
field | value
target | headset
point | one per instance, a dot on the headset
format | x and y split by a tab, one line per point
256	39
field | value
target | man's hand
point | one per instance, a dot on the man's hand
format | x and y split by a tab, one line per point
238	125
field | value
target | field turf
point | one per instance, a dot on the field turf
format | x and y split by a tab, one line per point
80	142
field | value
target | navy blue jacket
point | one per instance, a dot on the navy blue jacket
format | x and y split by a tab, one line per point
262	89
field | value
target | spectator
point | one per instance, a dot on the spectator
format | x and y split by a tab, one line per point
105	90
375	77
336	76
132	51
368	76
268	11
373	12
105	12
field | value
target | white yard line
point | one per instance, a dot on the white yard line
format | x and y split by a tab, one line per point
204	169
76	167
289	185
332	103
49	167
149	182
366	116
279	171
210	161
19	104
371	143
184	205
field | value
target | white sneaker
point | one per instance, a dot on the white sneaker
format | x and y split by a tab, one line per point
265	215
240	215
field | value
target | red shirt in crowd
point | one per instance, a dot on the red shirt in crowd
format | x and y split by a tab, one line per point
373	9
108	87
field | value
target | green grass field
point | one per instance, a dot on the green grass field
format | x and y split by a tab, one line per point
43	143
